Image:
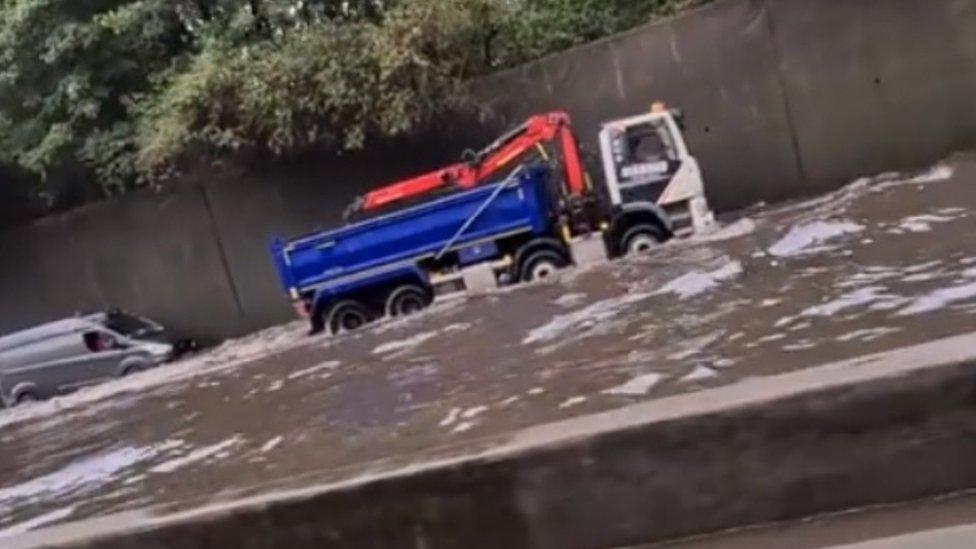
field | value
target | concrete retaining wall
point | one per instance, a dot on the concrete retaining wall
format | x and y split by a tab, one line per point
783	97
888	428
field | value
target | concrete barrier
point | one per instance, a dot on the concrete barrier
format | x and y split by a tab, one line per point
880	429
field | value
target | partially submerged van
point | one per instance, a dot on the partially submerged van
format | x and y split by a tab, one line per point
62	356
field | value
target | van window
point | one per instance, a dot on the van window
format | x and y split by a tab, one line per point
100	342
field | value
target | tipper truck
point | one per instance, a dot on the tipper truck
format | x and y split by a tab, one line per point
533	212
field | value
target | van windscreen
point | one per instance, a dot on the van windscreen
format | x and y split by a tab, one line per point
130	326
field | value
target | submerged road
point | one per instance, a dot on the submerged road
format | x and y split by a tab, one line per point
883	263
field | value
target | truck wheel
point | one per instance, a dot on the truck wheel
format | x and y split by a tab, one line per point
347	316
541	265
407	300
26	397
640	239
317	320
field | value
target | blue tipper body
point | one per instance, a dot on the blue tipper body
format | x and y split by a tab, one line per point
377	251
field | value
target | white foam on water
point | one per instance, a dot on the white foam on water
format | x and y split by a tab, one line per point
275	387
404	344
472	413
325	366
785	321
701	373
801	346
509	401
922	277
802	237
684	355
463	427
698	282
938	173
867	335
574	401
591	315
723	363
851	300
570	300
772	337
37	522
939	299
689	347
871	275
452	416
923	223
83	475
272	444
196	456
638	386
738	229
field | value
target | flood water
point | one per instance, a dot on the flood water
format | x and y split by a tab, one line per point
884	263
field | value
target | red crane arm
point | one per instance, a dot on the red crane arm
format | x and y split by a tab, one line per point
495	158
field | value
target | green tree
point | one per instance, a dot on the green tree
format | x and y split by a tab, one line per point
71	70
326	84
74	74
128	89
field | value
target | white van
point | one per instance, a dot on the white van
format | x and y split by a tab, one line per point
62	356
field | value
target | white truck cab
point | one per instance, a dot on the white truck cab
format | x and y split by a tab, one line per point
646	160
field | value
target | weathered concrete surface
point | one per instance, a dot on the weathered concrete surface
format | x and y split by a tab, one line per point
947	522
843	435
867	91
882	264
146	251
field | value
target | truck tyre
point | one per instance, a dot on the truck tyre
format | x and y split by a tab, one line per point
407	300
640	239
26	397
347	316
540	265
317	319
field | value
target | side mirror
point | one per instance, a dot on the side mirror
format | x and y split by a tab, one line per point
679	118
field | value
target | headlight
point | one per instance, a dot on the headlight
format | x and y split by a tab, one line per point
159	350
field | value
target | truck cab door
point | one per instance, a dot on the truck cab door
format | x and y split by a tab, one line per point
644	160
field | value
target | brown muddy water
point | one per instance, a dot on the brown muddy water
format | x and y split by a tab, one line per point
883	263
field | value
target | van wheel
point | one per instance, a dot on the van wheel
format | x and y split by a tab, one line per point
641	239
347	316
133	370
541	265
26	397
407	300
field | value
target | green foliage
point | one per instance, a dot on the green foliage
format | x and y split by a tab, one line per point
539	27
329	84
130	88
70	71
